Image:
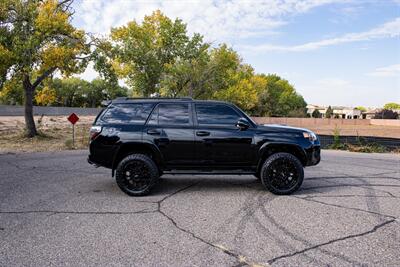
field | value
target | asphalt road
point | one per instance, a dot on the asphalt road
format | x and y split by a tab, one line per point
55	209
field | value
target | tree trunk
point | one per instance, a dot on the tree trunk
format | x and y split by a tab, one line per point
29	121
191	89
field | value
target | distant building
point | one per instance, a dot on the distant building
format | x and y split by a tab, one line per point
370	114
338	112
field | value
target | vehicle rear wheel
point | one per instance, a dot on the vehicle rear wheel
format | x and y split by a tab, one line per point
136	175
282	173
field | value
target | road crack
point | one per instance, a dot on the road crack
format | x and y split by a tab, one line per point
242	261
53	212
373	230
343	207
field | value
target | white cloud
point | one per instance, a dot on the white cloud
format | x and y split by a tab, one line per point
216	20
388	71
388	30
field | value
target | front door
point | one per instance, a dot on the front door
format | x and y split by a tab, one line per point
219	143
170	127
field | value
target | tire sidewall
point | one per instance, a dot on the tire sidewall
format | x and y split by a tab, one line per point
266	180
152	168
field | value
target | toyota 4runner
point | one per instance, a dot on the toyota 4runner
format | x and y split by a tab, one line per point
141	139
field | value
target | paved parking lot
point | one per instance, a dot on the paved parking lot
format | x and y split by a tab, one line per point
57	210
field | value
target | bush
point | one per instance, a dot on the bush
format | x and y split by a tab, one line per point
386	114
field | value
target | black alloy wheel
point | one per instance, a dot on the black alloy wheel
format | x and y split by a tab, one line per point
136	174
282	173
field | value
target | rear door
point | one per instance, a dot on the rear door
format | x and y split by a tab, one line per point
170	127
219	143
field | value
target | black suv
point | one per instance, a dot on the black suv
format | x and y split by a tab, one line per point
141	139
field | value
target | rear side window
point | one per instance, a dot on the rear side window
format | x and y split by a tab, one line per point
216	114
127	113
170	114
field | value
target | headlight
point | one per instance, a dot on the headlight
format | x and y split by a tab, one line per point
310	136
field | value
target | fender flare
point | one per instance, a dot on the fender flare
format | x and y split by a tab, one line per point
140	144
266	146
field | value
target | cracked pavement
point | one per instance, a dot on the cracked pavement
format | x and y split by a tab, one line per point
55	209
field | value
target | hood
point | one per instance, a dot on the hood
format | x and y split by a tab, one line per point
281	128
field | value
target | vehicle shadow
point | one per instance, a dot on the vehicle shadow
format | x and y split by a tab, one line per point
223	183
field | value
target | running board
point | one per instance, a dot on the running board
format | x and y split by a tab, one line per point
216	172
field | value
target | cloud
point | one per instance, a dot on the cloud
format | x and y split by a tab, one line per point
388	30
216	20
388	71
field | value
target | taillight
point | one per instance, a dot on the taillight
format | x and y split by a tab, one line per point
94	131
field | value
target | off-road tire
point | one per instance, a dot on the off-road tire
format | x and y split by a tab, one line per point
290	164
146	166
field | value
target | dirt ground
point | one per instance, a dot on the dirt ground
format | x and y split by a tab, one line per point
56	133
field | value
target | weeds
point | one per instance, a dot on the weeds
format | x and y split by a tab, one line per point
361	145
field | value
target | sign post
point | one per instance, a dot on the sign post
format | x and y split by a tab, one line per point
73	118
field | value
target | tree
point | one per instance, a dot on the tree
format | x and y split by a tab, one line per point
75	92
140	52
329	112
45	97
316	114
386	114
392	106
279	98
37	38
361	108
105	91
188	76
12	92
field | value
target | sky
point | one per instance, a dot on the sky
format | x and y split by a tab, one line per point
334	52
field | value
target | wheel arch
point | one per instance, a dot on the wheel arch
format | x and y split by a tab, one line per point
269	149
129	148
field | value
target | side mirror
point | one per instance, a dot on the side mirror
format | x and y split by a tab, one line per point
242	124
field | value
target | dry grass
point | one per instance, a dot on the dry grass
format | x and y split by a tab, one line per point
55	134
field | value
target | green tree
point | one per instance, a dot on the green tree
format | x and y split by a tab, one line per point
70	92
392	106
279	98
188	76
37	38
386	114
12	92
361	108
104	90
329	112
316	114
140	52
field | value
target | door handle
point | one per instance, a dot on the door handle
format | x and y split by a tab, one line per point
153	132
202	133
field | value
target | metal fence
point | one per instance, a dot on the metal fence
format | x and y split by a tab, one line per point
392	143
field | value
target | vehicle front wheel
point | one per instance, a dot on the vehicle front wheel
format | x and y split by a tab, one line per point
136	174
282	173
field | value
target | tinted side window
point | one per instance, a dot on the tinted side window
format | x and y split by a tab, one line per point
216	114
127	113
170	114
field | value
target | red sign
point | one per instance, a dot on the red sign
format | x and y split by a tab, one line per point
73	118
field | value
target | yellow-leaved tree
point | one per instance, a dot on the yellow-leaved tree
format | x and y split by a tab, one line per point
36	39
46	96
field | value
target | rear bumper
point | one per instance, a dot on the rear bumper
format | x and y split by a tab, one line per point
313	155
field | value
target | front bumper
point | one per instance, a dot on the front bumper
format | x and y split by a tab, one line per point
313	155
